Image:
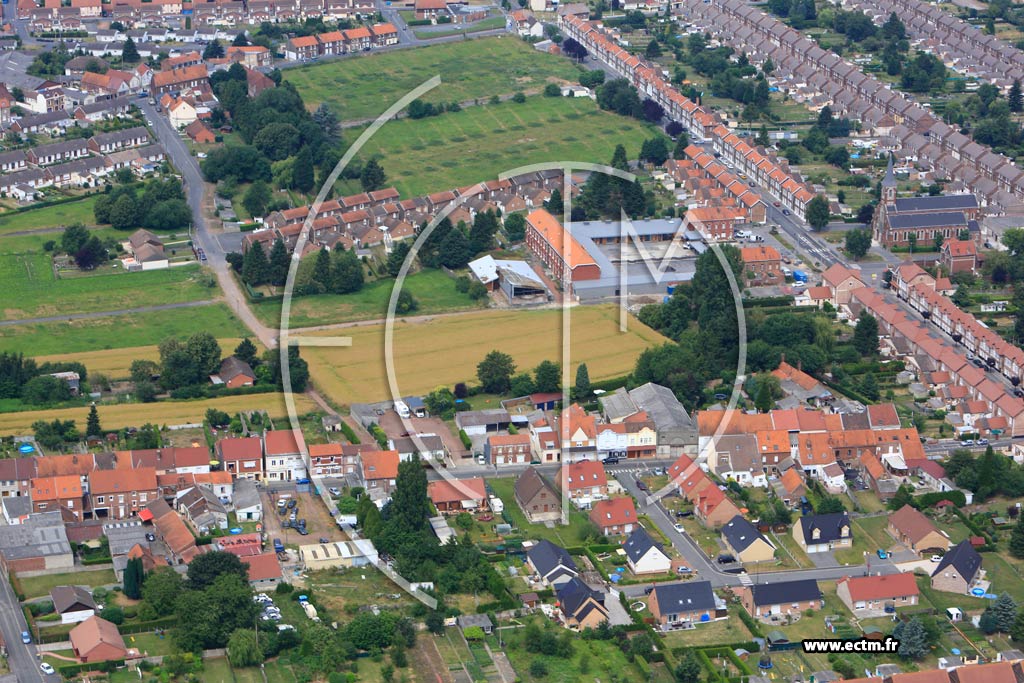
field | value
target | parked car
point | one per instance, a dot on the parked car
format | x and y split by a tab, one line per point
282	503
726	559
25	637
882	555
278	546
292	503
611	460
967	442
640	485
334	491
678	527
46	668
150	537
982	442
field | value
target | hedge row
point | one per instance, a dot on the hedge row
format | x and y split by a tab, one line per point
152	625
96	560
349	433
927	500
72	670
751	624
53	202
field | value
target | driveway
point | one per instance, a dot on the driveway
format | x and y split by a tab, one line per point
823	560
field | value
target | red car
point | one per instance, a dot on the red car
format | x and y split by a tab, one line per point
776	204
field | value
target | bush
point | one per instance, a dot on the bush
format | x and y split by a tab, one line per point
538	669
464	438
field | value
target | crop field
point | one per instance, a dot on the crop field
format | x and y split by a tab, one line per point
363	87
119	332
114	363
446	350
49	217
421	156
434	291
31	290
164	413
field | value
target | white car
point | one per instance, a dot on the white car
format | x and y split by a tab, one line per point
936	558
201	155
334	491
679	528
46	668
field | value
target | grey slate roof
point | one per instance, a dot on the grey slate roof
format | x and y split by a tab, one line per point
740	533
949	202
785	592
547	557
639	544
964	558
828	525
927	220
691	596
41	535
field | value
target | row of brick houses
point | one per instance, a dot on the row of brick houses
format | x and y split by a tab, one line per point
758	164
381	217
218	12
713	185
968	49
947	366
340	42
802	66
86	171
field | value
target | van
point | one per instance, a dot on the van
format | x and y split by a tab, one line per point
786	271
755	238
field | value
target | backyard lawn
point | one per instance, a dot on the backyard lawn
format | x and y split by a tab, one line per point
38	586
118	332
363	87
730	630
421	156
31	289
55	216
563	535
433	290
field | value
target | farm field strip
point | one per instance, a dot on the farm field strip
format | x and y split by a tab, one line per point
425	357
121	415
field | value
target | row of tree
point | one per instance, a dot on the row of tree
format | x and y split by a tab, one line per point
159	206
24	378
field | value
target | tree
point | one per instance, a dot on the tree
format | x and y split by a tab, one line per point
133	577
303	176
74	238
1017	539
1015	98
256	198
325	117
495	371
204	570
818	212
372	178
913	639
582	381
1005	611
762	137
869	387
322	269
129	53
828	505
112	613
245	351
278	263
456	251
1017	630
92	423
552	90
213	50
162	588
243	645
654	151
962	296
763	401
241	40
434	622
858	242
399	253
689	668
406	303
865	334
255	266
346	272
548	377
653	50
555	204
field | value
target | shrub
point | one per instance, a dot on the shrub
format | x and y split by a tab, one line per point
464	438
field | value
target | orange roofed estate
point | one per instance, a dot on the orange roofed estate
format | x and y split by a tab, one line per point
558	249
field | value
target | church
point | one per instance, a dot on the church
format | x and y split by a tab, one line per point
951	216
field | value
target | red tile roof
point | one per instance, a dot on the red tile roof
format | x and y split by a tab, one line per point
881	587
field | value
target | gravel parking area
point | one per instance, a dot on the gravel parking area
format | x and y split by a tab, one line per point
319	521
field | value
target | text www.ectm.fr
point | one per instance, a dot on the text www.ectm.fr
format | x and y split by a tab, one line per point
836	645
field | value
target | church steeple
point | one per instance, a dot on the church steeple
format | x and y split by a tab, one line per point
889	183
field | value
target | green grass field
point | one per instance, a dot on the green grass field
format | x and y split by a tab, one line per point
31	289
363	87
36	586
456	149
49	216
485	25
434	291
118	332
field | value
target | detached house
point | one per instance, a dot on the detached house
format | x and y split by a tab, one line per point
584	482
536	498
72	603
581	606
785	598
867	594
691	602
644	555
551	563
958	570
822	533
912	528
745	542
614	516
451	496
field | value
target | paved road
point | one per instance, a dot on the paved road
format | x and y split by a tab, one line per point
195	189
21	658
105	314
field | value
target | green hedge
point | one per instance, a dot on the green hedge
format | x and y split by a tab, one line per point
768	302
751	624
464	438
96	560
927	500
72	670
143	626
39	205
349	433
